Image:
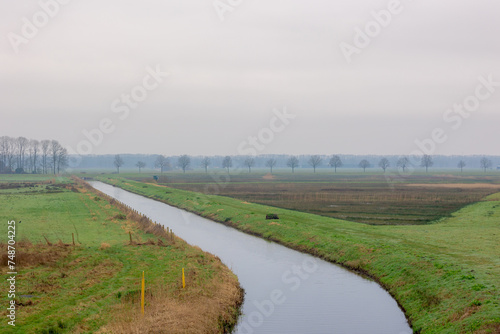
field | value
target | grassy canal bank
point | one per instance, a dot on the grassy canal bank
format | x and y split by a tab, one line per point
94	286
445	275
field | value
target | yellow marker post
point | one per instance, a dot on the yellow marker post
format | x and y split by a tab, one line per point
183	279
142	294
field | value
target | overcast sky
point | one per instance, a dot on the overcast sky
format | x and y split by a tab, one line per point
234	67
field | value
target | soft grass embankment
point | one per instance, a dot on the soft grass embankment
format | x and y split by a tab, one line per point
95	285
444	275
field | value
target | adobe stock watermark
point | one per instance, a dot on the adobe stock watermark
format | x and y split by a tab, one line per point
453	119
30	27
12	271
264	309
251	146
257	143
363	37
121	107
455	115
225	7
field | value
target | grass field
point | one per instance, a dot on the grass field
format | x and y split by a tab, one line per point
95	286
364	198
445	275
23	178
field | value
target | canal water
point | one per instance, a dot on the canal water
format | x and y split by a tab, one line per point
285	291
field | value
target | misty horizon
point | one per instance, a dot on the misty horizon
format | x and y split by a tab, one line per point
363	77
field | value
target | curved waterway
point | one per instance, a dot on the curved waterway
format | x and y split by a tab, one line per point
286	291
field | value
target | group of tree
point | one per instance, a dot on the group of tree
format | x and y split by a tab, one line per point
425	161
403	162
484	163
161	162
23	155
315	161
86	162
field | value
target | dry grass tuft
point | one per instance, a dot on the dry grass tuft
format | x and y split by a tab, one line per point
28	254
465	313
191	310
105	245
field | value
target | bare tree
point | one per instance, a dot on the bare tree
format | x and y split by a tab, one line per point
426	162
227	163
4	146
292	162
403	162
384	163
364	164
11	158
205	162
62	159
45	154
183	162
140	165
3	149
21	146
54	152
162	163
249	162
28	162
6	153
315	161
485	163
271	163
461	165
34	148
335	162
118	162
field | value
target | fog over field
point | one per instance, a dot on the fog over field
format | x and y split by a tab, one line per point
250	166
242	77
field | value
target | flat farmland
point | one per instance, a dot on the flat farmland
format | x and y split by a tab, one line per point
369	199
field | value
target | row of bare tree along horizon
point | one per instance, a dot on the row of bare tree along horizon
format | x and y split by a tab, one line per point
23	155
184	162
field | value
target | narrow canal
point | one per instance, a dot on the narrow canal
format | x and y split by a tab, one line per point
286	291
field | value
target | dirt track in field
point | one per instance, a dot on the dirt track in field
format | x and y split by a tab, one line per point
457	185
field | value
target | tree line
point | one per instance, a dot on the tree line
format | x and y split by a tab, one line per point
23	155
315	161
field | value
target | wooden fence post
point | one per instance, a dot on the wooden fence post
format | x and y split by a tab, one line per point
142	294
